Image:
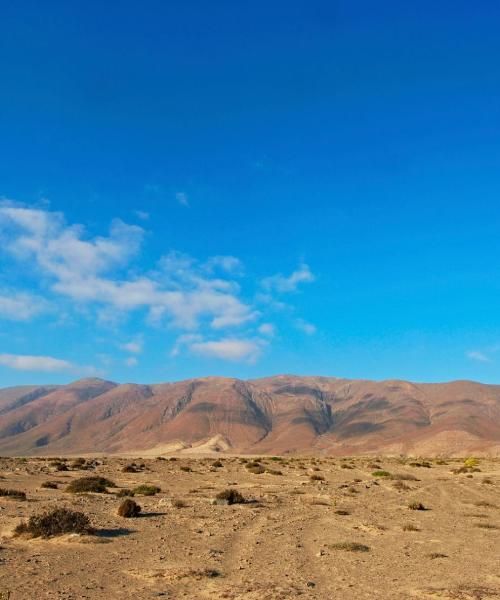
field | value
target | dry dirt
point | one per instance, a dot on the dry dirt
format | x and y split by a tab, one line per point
280	545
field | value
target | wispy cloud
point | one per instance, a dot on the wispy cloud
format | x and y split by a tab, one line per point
142	215
134	346
182	198
100	277
267	329
478	356
305	327
87	270
282	284
131	361
233	349
20	306
48	364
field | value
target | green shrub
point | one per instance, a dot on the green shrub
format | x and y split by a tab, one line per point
146	490
55	522
381	474
95	484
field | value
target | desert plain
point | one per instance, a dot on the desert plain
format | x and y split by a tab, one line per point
310	527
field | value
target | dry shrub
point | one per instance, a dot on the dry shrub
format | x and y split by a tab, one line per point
55	522
13	494
416	506
317	478
124	492
350	547
51	485
129	509
229	496
95	484
256	469
401	486
403	477
410	527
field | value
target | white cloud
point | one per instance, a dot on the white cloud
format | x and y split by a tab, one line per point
182	198
280	283
84	270
19	306
233	349
135	347
21	362
131	361
142	215
267	329
229	264
305	327
478	356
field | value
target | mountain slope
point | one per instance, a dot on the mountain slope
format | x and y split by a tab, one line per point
282	414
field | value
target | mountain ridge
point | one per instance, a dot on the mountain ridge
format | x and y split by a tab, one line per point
277	415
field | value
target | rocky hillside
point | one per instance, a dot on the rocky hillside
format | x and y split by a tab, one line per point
282	414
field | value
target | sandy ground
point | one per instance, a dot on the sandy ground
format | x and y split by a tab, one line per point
280	546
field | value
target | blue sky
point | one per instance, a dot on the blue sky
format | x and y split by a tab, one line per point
245	189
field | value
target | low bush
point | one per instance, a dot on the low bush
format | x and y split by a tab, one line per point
410	527
229	496
124	492
350	547
13	494
256	469
381	474
416	506
129	469
51	485
95	484
55	522
129	509
146	490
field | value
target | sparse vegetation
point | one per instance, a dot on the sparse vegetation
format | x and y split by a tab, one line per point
124	492
381	474
129	509
416	506
229	496
146	490
410	527
13	494
350	547
51	485
83	485
55	522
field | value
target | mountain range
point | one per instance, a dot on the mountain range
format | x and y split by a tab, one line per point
275	415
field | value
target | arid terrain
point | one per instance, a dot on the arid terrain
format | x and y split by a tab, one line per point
310	527
277	415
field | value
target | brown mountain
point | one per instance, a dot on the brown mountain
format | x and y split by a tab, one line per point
282	414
